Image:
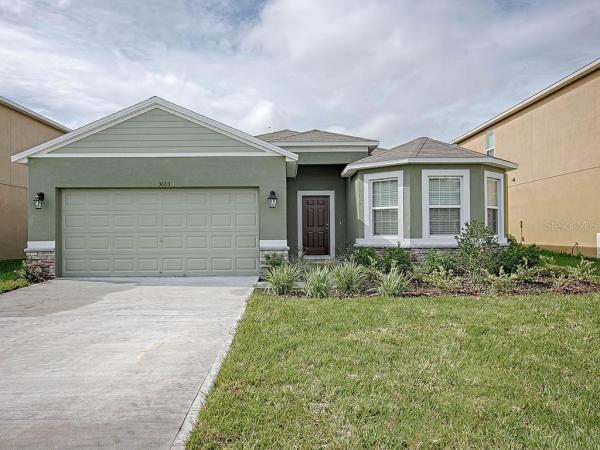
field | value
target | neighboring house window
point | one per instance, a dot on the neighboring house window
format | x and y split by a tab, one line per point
494	202
446	203
383	205
490	143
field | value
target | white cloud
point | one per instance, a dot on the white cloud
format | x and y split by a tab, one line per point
392	70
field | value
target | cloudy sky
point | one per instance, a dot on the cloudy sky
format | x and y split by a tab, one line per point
390	70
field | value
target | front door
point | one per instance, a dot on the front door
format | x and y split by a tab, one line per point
315	225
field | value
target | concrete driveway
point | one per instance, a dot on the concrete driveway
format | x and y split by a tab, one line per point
110	363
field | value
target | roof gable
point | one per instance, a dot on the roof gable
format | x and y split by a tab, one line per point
147	129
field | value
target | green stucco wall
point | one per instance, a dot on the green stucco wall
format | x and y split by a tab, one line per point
317	178
412	197
49	175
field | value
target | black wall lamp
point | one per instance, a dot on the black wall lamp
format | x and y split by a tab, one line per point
38	199
272	199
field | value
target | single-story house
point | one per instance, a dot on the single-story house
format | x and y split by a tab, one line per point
159	190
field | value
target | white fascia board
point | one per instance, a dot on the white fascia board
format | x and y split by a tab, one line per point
141	108
531	100
351	168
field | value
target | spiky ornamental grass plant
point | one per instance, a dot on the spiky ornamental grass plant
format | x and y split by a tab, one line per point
318	282
349	278
282	279
394	283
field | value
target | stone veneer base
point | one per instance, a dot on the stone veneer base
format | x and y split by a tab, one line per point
42	262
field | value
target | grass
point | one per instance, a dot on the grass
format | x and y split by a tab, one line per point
507	372
565	259
8	278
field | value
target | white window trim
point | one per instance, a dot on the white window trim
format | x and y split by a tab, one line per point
369	237
465	208
493	147
501	210
331	195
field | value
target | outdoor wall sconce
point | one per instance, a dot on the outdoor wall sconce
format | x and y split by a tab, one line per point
38	199
272	199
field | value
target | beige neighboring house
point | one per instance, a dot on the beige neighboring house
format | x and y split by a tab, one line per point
20	128
554	137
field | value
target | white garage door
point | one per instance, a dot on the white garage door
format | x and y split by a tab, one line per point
159	232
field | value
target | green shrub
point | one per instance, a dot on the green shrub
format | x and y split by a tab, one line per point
437	259
29	274
584	271
282	279
478	250
503	283
515	255
397	256
394	283
274	260
442	279
349	278
365	256
318	282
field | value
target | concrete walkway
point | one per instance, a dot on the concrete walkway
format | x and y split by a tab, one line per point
110	363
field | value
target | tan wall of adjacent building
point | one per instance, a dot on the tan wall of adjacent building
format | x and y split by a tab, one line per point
18	132
555	192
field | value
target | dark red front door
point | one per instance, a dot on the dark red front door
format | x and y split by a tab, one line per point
315	225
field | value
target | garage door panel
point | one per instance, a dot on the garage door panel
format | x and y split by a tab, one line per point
129	232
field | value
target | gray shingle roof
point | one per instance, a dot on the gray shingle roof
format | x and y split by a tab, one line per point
423	148
283	136
276	135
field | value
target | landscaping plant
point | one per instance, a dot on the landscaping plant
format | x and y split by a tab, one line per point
397	256
365	256
515	255
349	278
282	279
436	260
318	282
394	283
478	250
441	278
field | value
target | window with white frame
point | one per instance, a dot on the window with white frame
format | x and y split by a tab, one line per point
490	143
444	205
494	202
384	207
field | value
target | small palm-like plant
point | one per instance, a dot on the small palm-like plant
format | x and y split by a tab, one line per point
318	282
282	279
349	278
394	283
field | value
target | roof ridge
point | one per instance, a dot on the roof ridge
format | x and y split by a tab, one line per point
425	138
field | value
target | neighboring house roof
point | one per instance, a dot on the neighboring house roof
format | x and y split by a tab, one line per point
28	112
140	108
592	67
425	150
290	138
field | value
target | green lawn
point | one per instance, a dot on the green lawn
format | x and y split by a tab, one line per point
504	372
564	259
8	277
